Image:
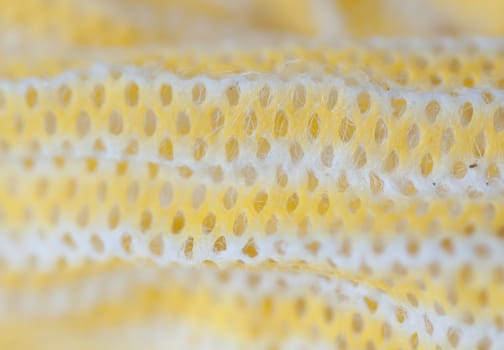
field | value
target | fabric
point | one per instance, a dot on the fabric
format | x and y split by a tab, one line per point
251	174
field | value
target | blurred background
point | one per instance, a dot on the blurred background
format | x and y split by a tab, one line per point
134	22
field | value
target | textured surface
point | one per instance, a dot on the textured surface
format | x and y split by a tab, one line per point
295	191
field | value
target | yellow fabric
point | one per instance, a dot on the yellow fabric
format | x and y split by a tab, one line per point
254	174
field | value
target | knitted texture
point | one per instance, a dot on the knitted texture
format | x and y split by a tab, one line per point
280	189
